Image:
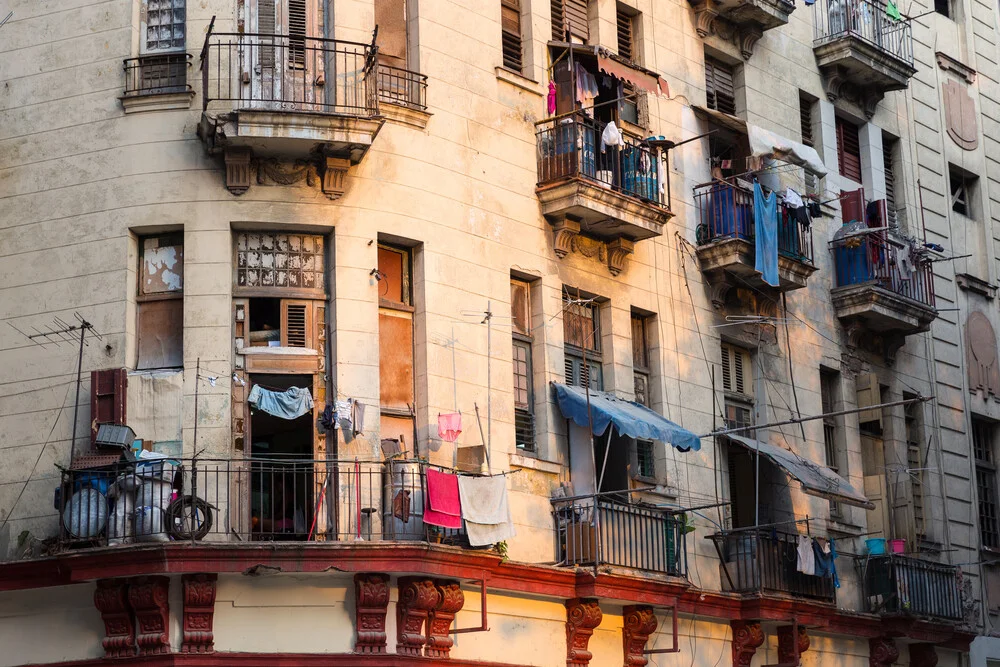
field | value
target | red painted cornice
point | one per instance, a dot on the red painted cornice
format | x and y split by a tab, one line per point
275	660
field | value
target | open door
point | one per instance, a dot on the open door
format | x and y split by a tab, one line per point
876	489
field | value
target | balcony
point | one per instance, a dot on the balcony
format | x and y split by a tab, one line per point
861	51
879	292
755	561
277	97
746	20
906	586
612	198
156	82
596	530
236	501
726	247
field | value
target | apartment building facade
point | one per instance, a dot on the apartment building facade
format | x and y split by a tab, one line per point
320	251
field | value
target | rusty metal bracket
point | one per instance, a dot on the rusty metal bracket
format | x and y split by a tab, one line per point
484	625
676	647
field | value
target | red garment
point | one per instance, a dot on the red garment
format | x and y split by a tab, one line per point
442	504
449	426
552	98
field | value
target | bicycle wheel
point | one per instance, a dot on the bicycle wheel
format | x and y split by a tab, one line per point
189	518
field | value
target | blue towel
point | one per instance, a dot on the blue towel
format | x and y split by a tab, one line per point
288	404
765	221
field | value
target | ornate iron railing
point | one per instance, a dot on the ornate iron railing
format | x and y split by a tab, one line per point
157	74
866	20
402	87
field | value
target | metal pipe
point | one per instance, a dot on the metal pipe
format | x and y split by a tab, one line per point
76	403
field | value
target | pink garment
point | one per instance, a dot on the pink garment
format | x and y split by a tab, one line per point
552	97
449	426
442	504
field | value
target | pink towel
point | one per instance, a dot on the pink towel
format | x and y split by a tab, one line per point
449	426
552	98
443	506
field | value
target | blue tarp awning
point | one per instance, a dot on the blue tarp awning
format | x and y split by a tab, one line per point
630	419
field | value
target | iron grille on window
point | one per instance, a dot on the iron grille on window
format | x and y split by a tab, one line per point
510	20
849	150
986	483
719	86
644	458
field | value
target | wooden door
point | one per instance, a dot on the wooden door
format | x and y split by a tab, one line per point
876	489
285	57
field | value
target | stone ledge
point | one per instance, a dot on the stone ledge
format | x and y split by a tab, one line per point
404	115
157	101
977	285
519	81
522	461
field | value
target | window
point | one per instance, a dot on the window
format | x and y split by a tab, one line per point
806	126
569	21
164	25
943	7
889	161
644	461
963	189
737	383
848	150
160	302
582	335
719	86
510	25
829	386
626	33
983	435
266	261
915	461
524	418
395	330
640	359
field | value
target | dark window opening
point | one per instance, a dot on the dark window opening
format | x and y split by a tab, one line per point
644	463
963	188
943	7
889	163
720	88
983	436
829	384
849	150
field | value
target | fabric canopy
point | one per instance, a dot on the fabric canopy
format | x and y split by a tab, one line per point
631	419
640	78
816	480
764	143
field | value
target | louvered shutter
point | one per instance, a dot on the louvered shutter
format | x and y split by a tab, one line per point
727	371
297	33
849	150
736	376
625	44
107	398
558	21
719	87
579	375
570	15
510	23
267	22
890	183
296	323
738	371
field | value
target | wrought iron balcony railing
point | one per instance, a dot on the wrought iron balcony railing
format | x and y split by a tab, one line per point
402	87
726	212
597	530
157	74
764	561
866	20
872	258
272	72
896	584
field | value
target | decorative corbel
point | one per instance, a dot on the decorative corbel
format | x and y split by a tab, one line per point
335	176
451	601
417	597
618	252
833	85
149	598
582	616
923	655
870	97
705	13
564	231
792	645
891	346
747	40
855	333
882	652
639	624
237	160
371	603
747	638
719	291
199	613
111	599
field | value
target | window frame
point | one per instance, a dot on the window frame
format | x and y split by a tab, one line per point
641	364
983	443
848	146
713	67
508	36
150	301
524	412
144	28
914	432
968	189
831	436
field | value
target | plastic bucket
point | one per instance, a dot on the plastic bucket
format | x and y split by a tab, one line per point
876	546
897	546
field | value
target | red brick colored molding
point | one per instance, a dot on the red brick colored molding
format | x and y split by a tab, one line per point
638	623
149	599
747	638
111	599
371	604
451	599
923	655
882	652
199	613
418	596
791	645
582	616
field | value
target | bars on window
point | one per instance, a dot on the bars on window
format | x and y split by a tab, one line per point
510	24
719	86
848	150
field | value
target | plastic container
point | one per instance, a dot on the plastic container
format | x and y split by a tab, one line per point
897	546
876	546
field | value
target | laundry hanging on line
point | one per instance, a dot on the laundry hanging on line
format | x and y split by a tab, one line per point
485	509
450	426
289	404
765	214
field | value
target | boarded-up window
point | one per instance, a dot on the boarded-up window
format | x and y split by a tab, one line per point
849	150
395	329
160	303
390	17
569	19
720	88
107	398
266	261
164	25
510	24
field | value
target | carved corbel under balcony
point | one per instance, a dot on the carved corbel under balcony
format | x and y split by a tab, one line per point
451	601
792	645
199	613
149	599
371	603
891	346
238	169
564	231
582	616
705	14
639	624
882	652
747	638
618	252
719	288
111	599
870	98
747	38
335	176
923	655
418	596
833	85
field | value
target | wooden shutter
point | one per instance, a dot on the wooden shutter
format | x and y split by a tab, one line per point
296	323
868	394
267	24
579	375
890	181
570	15
297	33
625	35
849	150
736	370
719	87
107	398
510	23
